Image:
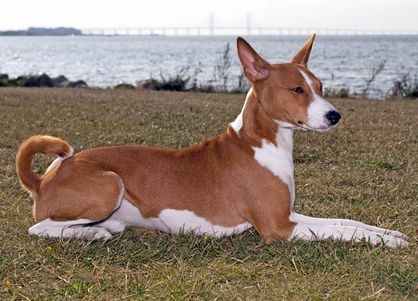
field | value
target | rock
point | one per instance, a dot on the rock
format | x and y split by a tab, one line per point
77	84
124	86
42	80
4	80
4	76
18	82
60	81
148	84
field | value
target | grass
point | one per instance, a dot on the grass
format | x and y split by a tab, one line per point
366	169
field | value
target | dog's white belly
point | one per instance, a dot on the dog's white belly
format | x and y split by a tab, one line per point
173	221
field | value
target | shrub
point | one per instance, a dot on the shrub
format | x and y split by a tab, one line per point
406	87
337	92
374	72
177	82
222	68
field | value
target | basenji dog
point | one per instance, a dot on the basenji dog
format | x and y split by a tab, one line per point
240	179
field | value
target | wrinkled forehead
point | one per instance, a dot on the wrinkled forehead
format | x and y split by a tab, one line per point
292	74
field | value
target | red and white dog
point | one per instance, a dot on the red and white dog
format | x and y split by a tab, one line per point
240	179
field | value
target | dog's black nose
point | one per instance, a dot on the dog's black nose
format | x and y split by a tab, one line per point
333	117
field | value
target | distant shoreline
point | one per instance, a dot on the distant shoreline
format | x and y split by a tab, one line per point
42	31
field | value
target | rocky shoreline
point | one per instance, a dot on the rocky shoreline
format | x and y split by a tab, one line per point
45	81
42	80
403	88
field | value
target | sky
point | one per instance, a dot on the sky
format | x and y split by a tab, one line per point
355	14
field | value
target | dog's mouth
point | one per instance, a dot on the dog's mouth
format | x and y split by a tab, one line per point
305	127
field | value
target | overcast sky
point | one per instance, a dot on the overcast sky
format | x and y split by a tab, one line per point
354	14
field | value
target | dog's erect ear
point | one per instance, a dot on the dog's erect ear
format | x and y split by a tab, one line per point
302	57
255	67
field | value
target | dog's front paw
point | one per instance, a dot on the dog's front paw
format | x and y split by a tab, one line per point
392	241
395	234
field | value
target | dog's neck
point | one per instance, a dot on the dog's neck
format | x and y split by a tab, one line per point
271	140
254	125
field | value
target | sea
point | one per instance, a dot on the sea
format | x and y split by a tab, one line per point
103	61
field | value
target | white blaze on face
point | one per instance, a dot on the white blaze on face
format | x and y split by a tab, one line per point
317	109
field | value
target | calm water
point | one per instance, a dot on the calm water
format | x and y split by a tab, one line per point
104	61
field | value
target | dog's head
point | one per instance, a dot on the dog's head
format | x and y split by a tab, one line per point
289	93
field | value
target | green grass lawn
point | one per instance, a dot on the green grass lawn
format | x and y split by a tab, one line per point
367	170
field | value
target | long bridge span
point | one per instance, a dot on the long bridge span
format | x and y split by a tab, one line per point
215	30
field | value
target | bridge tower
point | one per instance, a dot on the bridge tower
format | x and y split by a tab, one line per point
248	22
212	23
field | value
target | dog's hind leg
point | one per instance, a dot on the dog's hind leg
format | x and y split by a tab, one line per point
69	229
80	207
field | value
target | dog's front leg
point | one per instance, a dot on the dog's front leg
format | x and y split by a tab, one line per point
345	222
311	228
272	223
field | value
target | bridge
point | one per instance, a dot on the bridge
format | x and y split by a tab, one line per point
216	30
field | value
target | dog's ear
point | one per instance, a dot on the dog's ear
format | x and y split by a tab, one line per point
302	57
255	67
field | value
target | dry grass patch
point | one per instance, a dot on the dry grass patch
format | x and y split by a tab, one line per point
366	169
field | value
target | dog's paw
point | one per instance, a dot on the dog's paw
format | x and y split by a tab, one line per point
102	234
396	234
390	241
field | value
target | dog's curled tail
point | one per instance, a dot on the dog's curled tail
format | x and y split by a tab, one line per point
28	149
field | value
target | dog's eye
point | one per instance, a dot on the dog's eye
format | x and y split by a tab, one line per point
298	90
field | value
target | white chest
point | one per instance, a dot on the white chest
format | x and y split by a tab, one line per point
278	159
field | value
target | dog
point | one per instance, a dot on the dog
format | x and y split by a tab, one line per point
240	179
